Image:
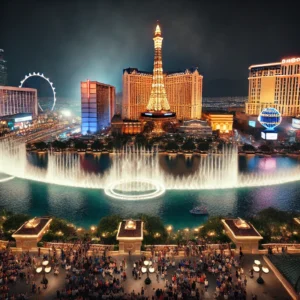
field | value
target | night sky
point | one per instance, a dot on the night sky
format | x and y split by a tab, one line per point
70	41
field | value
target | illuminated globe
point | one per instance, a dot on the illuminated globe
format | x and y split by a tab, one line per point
269	118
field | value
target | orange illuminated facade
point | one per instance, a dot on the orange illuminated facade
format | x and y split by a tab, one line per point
275	85
220	121
179	92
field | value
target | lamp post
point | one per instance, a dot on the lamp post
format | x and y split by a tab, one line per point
257	267
46	269
148	268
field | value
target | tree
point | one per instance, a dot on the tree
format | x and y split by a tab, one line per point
154	229
97	145
80	145
14	222
109	225
189	145
248	147
265	148
149	126
168	126
213	231
40	146
172	146
140	140
203	146
59	145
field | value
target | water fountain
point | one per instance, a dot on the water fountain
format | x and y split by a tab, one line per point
135	173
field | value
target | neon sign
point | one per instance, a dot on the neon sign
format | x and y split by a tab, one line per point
291	60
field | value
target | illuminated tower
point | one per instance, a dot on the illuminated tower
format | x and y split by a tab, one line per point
158	108
158	98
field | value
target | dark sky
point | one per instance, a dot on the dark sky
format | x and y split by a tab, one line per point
73	40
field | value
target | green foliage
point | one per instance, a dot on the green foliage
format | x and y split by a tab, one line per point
108	226
172	146
154	230
147	281
141	140
149	126
265	148
80	145
189	145
40	146
273	223
248	147
14	222
213	231
60	225
58	145
97	145
203	146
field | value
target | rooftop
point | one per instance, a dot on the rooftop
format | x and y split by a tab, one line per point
241	228
130	229
33	227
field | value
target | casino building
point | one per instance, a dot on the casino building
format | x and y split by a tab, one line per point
183	90
97	106
275	85
15	100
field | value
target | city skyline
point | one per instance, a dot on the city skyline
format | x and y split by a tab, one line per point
70	49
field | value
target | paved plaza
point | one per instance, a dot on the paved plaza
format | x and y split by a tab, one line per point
271	289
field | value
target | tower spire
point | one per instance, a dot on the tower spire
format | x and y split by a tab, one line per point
158	98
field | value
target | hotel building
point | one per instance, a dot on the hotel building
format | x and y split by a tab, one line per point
15	100
275	85
97	106
179	93
184	92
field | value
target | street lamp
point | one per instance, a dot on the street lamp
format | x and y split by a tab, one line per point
148	268
46	269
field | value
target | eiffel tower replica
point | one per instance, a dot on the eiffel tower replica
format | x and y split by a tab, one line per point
158	108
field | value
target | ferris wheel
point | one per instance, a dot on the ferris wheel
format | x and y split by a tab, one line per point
48	80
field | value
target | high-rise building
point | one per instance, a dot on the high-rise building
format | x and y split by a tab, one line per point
97	106
275	85
15	100
3	69
181	90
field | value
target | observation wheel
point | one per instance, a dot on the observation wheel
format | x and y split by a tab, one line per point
45	78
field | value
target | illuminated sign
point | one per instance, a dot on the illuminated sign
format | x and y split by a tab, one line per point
24	119
296	123
291	60
148	114
269	136
168	114
252	123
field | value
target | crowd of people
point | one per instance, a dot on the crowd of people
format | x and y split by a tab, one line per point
203	273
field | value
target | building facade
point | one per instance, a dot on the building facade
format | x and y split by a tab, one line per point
15	100
3	69
223	122
97	106
179	92
275	85
184	91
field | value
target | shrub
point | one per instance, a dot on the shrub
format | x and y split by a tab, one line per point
147	281
14	222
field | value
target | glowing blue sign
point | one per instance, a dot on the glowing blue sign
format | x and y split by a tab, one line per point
148	114
252	123
168	114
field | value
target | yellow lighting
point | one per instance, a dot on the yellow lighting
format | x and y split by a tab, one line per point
93	228
169	228
79	229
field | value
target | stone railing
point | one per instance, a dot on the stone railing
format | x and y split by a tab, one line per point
290	248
